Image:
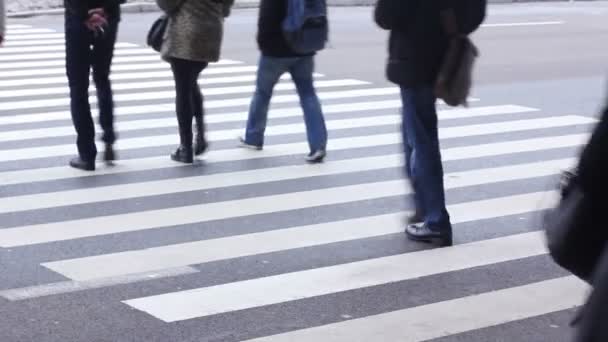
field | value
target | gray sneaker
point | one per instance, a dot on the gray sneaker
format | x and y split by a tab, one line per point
244	144
316	157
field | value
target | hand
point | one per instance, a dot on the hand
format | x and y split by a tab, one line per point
97	19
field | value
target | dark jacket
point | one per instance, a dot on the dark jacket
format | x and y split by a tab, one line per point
417	42
270	37
593	164
80	8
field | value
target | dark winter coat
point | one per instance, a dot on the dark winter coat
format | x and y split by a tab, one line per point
417	43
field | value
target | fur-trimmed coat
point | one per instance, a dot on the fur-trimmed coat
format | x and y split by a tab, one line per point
195	29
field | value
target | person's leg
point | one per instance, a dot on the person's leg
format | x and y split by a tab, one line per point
269	71
418	215
103	52
420	116
184	72
199	112
78	59
302	74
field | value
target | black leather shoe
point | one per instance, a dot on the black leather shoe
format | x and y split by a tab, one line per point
109	154
84	165
200	145
422	233
183	155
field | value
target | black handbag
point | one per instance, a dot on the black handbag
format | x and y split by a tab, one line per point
575	233
156	35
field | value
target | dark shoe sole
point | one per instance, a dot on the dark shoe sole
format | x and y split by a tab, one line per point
179	159
444	240
83	167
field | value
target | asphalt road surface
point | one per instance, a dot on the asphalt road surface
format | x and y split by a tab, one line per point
260	246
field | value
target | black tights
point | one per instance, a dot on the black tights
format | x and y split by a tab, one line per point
188	99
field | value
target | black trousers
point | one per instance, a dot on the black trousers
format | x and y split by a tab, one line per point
188	97
86	50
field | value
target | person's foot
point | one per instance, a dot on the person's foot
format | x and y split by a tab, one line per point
244	144
200	145
85	165
415	218
183	154
109	155
424	233
316	157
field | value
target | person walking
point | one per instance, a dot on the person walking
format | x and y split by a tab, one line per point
417	46
2	21
591	176
91	27
193	39
277	58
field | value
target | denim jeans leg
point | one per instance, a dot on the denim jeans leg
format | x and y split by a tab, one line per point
78	61
420	118
302	75
102	54
408	165
269	71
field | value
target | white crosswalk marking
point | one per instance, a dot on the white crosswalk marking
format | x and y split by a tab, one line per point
285	234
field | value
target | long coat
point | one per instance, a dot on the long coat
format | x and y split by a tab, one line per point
195	29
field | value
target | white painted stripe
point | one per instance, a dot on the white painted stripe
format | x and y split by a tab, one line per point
436	320
15	204
206	91
35	36
51	289
17	26
154	163
226	103
50	55
132	110
199	252
8	51
123	67
155	219
122	76
201	302
32	42
449	132
116	61
228	117
10	32
537	23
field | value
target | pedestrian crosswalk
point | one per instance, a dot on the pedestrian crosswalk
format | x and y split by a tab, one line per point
248	245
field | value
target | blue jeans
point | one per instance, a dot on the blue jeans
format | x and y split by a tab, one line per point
423	155
269	72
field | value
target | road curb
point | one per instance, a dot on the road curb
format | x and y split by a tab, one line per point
145	7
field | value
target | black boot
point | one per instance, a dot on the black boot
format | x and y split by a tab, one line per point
183	154
200	143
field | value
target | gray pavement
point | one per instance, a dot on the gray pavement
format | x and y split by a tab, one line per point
247	245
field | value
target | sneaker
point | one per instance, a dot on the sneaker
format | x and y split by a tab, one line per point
244	144
415	218
316	157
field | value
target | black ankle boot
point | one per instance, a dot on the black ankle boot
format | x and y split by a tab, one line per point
200	143
183	154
